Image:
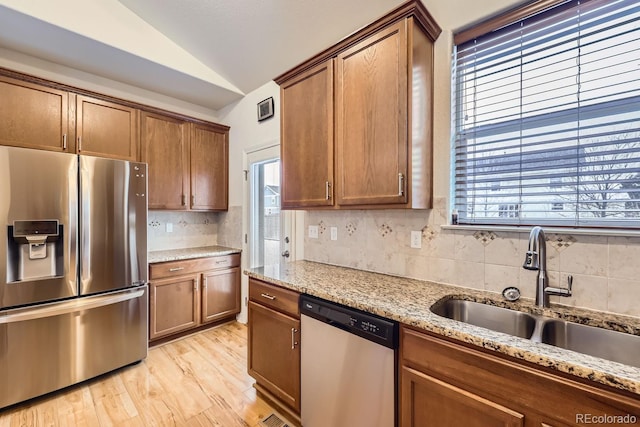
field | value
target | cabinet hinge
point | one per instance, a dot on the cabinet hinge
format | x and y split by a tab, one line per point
246	239
246	174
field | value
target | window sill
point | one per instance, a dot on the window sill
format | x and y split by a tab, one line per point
556	230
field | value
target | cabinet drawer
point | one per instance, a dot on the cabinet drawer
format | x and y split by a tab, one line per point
274	297
226	261
189	266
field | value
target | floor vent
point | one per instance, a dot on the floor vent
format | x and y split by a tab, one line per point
273	421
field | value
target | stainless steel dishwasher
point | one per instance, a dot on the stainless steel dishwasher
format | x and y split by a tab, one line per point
348	366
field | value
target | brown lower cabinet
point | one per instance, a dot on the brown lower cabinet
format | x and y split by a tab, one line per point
188	294
443	383
274	345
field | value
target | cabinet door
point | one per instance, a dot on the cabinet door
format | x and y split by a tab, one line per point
220	294
306	146
209	168
274	353
33	116
165	149
371	120
174	305
106	129
427	401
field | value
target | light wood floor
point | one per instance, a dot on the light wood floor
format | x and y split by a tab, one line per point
199	380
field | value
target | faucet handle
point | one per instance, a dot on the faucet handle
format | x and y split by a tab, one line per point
563	292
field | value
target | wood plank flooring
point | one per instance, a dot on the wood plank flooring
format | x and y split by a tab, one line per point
199	380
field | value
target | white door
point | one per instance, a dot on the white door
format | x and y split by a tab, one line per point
269	231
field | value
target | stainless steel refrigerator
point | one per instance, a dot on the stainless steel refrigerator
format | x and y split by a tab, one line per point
73	269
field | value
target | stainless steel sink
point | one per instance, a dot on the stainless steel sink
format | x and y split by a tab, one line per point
487	316
604	343
598	342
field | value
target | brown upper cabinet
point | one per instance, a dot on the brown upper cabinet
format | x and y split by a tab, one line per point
46	118
356	119
188	163
164	148
209	150
106	129
188	158
306	103
33	116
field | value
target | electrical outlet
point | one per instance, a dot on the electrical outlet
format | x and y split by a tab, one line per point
313	231
334	233
169	227
416	239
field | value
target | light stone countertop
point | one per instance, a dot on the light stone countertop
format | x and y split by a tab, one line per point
189	253
408	301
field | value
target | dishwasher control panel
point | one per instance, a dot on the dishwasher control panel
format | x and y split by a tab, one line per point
366	325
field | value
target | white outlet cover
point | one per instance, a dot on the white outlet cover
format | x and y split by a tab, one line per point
169	227
313	231
334	233
416	239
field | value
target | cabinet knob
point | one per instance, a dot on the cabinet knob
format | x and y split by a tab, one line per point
267	296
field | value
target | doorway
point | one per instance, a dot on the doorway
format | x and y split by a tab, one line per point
270	229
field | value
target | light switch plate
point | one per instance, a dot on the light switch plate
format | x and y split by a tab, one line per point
334	233
313	231
416	239
169	227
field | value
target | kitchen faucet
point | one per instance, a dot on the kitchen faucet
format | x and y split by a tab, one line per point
536	259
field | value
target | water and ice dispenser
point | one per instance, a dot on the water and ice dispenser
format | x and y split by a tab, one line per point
34	250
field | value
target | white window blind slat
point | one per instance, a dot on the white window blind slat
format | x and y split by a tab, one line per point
547	119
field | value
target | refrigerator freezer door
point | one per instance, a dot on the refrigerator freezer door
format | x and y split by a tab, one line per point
113	224
38	202
50	346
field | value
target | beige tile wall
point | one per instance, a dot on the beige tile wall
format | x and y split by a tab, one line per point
195	229
190	229
606	270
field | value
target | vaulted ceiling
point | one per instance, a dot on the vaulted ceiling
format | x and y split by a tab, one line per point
207	52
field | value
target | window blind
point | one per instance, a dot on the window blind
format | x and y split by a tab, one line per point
547	119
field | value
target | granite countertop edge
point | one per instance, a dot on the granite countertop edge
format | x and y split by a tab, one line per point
190	253
408	301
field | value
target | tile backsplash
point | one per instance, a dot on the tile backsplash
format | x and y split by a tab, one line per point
190	229
194	229
605	269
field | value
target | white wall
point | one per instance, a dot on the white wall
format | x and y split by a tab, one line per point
246	133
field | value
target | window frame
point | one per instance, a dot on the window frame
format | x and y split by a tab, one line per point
477	31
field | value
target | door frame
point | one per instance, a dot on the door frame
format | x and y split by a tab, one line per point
296	244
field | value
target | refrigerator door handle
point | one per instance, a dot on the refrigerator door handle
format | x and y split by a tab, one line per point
72	306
